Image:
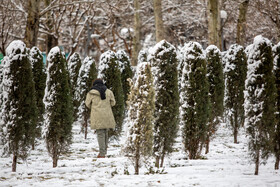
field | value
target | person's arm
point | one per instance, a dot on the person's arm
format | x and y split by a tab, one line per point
88	100
112	99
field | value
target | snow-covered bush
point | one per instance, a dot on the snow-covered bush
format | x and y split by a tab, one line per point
276	52
126	71
39	77
164	61
215	78
194	99
141	116
73	66
18	115
87	74
109	71
260	98
58	106
235	71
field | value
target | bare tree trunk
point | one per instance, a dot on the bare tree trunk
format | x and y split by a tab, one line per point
55	156
277	162
235	133
160	34
162	160
137	160
257	162
214	23
137	33
157	161
14	165
32	26
207	144
86	125
241	24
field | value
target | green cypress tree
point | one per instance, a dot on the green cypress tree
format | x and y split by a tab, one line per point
235	75
73	66
276	50
87	74
215	77
109	71
126	71
163	61
260	98
39	76
141	116
194	99
58	106
18	116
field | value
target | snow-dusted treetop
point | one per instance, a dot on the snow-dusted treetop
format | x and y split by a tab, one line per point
190	49
15	49
104	62
160	46
121	54
52	53
252	52
212	48
230	56
33	52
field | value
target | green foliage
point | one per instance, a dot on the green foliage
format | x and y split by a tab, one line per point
276	51
260	98
194	99
126	72
141	116
215	77
59	108
87	74
109	71
18	116
235	76
164	68
74	66
39	77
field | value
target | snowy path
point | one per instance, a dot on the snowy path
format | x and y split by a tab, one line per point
227	164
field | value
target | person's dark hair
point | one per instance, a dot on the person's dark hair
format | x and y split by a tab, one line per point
97	81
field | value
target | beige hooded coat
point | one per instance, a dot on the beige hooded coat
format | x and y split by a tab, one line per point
101	115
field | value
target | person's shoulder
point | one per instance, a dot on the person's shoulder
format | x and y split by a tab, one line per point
109	91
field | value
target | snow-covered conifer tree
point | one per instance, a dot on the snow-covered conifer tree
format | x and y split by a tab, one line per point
126	71
87	74
39	76
109	71
276	52
73	66
235	70
215	78
58	106
260	98
163	61
18	115
194	99
141	116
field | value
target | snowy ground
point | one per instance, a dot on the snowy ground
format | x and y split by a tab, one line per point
227	164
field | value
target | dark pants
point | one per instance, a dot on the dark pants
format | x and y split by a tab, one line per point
102	137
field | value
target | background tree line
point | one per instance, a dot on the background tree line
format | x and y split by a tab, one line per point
92	27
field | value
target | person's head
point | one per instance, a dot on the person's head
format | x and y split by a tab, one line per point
97	81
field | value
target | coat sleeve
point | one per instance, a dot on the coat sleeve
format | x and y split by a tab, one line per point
88	100
112	99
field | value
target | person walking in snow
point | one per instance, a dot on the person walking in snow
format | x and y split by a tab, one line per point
100	101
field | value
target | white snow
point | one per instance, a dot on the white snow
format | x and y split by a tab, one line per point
227	164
